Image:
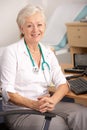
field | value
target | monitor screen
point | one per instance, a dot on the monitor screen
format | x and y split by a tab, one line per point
80	60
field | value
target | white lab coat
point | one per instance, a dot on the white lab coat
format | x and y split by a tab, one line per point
17	73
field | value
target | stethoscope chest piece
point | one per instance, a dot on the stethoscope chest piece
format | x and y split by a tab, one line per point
35	69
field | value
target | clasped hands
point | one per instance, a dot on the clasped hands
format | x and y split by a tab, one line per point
45	103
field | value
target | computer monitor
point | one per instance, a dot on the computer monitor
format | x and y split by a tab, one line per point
80	60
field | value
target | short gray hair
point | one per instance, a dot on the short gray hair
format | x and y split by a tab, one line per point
28	11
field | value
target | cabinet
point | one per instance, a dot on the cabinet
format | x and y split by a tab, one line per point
77	37
77	40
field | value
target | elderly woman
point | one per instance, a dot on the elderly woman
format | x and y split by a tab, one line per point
28	68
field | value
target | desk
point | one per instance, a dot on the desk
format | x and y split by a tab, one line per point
81	99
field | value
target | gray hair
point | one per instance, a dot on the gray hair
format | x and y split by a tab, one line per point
28	11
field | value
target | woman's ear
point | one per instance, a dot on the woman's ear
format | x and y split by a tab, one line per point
21	32
21	29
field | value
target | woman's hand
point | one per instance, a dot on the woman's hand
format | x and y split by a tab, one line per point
46	103
43	103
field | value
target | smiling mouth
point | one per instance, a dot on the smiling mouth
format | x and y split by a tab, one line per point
35	35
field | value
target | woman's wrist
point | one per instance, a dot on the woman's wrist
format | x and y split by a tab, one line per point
34	105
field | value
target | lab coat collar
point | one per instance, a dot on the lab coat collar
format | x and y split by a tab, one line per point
23	47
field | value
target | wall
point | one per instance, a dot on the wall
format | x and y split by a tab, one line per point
9	32
64	12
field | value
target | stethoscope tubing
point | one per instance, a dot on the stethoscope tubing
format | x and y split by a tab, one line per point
44	63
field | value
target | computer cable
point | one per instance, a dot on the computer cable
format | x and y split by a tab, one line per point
77	76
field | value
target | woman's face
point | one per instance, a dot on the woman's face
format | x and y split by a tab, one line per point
33	28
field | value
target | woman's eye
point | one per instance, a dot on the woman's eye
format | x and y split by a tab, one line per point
39	25
29	26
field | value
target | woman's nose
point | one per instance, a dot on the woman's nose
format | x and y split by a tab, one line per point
35	28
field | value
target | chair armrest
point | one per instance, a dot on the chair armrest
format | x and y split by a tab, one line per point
47	114
26	111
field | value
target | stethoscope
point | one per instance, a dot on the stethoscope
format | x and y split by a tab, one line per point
45	66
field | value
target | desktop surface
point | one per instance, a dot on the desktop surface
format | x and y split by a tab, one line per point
70	93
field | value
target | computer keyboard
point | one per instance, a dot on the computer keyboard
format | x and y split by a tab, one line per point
78	85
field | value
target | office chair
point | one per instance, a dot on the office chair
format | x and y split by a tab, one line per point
48	116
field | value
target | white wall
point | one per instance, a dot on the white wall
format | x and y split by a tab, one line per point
56	25
8	27
9	32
